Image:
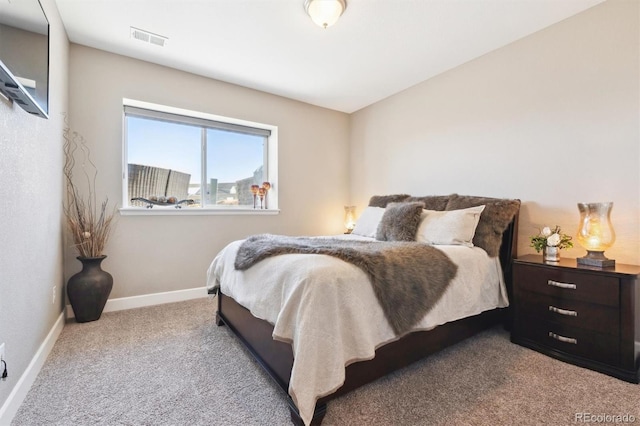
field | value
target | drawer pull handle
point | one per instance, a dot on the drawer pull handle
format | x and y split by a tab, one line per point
561	285
563	311
563	339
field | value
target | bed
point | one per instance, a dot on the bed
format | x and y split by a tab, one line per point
328	312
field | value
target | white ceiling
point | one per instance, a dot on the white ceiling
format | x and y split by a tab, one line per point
376	49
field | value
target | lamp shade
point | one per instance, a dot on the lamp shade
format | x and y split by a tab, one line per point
325	12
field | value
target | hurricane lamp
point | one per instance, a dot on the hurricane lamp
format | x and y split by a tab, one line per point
596	234
349	218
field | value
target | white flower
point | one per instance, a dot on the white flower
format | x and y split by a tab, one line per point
86	234
546	231
553	240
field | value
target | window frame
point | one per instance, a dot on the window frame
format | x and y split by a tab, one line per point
190	117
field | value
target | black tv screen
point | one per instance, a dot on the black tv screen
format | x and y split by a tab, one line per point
24	55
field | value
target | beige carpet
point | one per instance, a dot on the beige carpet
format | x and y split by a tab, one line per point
170	365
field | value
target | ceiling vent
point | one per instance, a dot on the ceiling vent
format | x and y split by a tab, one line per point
148	37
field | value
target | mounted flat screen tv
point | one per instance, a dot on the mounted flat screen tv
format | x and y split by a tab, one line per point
24	55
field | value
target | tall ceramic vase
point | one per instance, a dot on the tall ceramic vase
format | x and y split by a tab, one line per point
89	289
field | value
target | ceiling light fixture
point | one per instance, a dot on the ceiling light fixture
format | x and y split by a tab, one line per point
325	13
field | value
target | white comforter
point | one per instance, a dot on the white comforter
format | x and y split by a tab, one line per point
327	309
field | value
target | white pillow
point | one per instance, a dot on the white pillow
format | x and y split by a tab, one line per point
367	223
451	227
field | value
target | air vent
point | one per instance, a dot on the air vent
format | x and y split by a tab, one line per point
148	37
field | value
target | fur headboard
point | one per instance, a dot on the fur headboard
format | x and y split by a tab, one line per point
497	231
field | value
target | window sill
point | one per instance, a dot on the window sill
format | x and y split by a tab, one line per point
172	211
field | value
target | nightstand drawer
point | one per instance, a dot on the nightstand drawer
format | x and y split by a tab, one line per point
564	284
571	340
573	313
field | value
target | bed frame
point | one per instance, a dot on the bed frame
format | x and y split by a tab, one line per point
276	358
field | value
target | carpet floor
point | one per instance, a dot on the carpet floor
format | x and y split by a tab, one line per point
171	365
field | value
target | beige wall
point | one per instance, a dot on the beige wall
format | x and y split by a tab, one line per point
165	253
552	119
31	216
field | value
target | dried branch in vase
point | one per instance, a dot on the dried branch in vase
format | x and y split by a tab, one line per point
89	223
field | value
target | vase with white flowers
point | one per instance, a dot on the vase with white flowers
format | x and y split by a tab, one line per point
89	223
550	242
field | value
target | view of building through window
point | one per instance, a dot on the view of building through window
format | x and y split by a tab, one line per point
189	159
234	162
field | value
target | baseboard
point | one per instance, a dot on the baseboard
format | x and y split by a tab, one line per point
19	392
123	303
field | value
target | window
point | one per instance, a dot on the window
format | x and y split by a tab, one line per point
196	161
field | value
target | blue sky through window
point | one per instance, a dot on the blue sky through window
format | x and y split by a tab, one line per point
232	156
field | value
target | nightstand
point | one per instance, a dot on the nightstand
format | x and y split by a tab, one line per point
585	316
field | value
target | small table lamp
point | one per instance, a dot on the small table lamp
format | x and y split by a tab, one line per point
595	234
349	218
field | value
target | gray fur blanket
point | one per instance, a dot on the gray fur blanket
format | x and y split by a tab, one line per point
408	278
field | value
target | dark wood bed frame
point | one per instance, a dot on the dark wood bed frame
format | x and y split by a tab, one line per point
276	358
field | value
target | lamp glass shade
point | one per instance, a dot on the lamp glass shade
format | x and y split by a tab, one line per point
325	12
349	218
595	232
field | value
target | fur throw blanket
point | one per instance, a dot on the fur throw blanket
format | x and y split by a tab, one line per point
408	278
